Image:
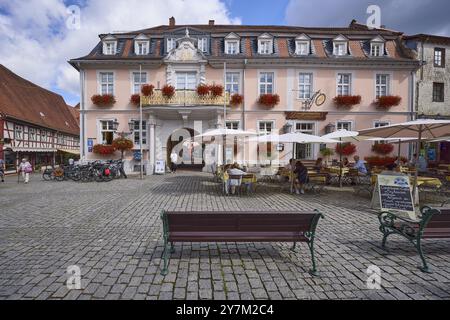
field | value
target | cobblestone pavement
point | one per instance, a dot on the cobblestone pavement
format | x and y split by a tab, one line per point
112	231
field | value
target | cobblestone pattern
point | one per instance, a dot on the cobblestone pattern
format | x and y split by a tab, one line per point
112	231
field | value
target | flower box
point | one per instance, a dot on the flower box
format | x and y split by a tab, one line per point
103	99
168	91
135	99
345	149
386	102
147	90
216	90
347	101
382	148
203	90
236	99
269	100
377	161
104	149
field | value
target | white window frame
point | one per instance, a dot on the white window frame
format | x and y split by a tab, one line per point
109	47
266	83
267	48
170	44
298	44
229	44
136	133
265	132
336	51
313	147
377	122
99	81
100	129
351	122
202	44
232	124
388	85
18	132
239	77
144	44
350	84
380	47
31	134
178	72
133	83
311	85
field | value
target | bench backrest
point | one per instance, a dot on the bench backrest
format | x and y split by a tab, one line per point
438	225
242	221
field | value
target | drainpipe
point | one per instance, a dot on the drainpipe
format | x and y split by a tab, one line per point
82	118
243	105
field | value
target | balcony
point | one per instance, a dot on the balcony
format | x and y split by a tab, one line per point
185	98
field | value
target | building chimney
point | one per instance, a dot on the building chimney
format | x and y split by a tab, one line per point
211	22
171	22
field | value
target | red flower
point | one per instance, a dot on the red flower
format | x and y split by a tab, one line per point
103	100
269	100
383	148
347	101
216	90
345	149
135	99
147	89
203	90
380	161
388	101
168	91
236	99
104	149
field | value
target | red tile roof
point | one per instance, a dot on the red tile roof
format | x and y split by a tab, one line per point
23	100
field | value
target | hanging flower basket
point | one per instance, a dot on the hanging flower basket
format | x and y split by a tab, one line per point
168	91
382	148
236	99
147	90
104	149
269	100
135	99
203	90
103	99
216	90
386	102
346	101
345	149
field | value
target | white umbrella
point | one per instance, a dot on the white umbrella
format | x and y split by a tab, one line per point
420	129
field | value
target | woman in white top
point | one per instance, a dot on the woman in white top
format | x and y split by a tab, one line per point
25	168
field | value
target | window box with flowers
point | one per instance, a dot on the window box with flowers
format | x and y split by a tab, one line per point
168	91
346	101
377	161
216	90
147	90
269	100
385	102
236	100
103	99
202	90
382	148
104	149
345	149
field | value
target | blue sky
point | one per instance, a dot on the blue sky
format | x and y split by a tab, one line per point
36	44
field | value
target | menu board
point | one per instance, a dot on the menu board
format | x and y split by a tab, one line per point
160	167
395	194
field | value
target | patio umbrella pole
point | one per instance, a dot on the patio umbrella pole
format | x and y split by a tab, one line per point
340	164
292	169
417	164
224	137
399	146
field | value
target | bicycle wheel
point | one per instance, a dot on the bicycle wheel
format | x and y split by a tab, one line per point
47	175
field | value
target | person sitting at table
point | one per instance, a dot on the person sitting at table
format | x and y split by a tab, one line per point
345	162
319	165
301	173
233	183
360	165
423	164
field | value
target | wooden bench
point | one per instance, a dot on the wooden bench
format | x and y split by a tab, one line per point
432	224
241	226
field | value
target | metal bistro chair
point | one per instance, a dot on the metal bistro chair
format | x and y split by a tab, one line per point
247	182
234	182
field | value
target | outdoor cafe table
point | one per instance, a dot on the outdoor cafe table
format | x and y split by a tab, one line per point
429	181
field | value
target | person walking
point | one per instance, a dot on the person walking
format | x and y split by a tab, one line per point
301	177
173	160
25	168
2	169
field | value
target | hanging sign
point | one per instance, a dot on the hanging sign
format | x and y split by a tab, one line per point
90	144
137	155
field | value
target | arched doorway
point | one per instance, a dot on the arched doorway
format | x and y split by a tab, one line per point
190	155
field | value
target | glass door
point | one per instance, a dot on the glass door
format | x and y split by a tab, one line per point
304	151
186	80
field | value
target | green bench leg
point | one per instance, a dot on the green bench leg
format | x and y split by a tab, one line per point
293	246
312	271
165	269
424	268
172	248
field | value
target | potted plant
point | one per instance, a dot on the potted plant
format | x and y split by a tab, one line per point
122	144
168	91
386	102
382	148
347	101
216	90
103	149
326	153
103	99
135	99
269	100
202	90
345	149
147	90
236	99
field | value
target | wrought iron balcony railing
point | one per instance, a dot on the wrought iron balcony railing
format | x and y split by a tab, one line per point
185	98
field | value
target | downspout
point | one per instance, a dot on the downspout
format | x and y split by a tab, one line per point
82	118
243	105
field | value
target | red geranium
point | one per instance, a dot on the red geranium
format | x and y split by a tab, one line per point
345	149
347	101
135	99
103	100
388	101
383	148
269	100
168	91
216	90
236	99
380	161
203	90
104	149
147	89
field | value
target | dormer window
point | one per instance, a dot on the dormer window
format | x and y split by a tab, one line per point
377	47
302	45
265	44
232	42
203	44
170	44
141	47
109	47
340	46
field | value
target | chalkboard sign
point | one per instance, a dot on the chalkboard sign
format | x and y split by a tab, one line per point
160	167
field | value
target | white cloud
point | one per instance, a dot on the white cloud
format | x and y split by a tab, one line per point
36	44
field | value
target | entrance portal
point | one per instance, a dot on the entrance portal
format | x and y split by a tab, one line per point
190	155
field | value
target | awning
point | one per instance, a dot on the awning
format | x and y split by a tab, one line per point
23	149
72	151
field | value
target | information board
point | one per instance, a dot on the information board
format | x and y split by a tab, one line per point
160	167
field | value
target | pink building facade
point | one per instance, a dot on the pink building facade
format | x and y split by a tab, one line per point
293	62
